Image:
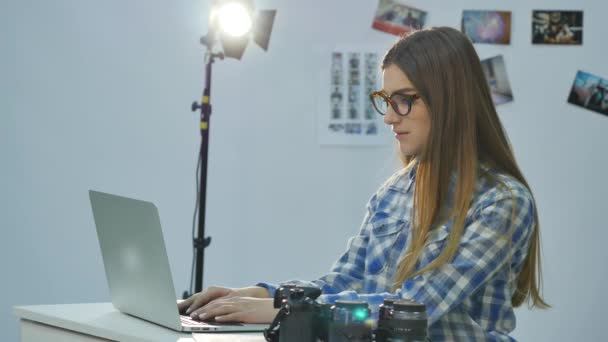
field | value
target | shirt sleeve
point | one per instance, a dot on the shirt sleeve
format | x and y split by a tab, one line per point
348	271
484	249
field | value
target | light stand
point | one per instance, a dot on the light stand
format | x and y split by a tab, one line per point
233	47
200	242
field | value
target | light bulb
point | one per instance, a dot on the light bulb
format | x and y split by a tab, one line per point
234	19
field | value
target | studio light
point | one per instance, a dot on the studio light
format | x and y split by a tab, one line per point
234	19
232	23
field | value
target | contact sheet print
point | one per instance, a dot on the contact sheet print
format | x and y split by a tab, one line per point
347	116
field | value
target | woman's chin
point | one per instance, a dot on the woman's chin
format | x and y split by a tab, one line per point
407	150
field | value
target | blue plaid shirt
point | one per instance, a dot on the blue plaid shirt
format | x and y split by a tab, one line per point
467	299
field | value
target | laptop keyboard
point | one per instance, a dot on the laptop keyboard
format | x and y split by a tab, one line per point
187	321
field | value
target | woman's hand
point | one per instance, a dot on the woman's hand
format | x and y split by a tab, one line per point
238	309
211	293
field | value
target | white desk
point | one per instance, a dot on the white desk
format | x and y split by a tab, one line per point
101	322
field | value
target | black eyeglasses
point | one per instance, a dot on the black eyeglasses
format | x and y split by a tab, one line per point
401	103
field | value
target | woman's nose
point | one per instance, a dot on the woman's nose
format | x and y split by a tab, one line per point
391	117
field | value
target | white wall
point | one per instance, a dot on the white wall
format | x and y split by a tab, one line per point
96	94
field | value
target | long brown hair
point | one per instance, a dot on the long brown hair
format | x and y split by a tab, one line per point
465	132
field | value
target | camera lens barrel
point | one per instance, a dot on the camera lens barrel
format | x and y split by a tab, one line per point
350	322
386	308
406	321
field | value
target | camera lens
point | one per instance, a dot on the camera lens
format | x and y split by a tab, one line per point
384	315
350	321
409	308
346	311
386	307
406	321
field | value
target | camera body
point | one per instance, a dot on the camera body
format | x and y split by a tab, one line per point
300	318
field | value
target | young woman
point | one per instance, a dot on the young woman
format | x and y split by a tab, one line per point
456	228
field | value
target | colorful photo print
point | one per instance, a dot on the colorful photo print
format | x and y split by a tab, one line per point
496	75
590	92
396	18
557	27
490	27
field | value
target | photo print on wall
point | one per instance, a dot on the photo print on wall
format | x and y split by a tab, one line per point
496	76
394	17
590	92
490	27
557	27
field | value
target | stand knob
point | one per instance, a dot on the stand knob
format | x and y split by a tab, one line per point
196	106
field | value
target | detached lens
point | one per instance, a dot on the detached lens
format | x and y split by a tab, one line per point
350	322
405	321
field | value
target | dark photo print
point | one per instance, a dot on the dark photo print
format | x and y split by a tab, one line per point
557	27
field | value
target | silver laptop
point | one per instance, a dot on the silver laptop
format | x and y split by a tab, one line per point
137	266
